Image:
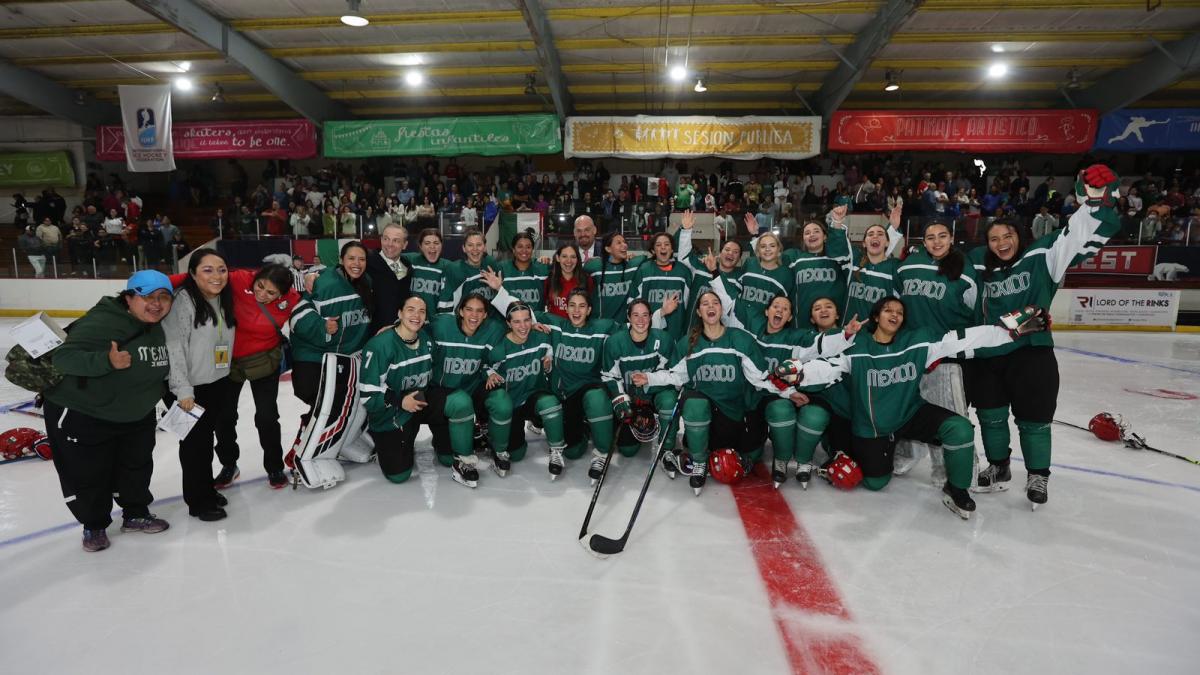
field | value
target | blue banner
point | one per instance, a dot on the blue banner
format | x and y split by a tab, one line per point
1150	129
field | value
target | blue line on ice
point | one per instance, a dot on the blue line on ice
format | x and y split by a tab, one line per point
1122	359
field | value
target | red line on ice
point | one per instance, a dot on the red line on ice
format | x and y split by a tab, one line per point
797	584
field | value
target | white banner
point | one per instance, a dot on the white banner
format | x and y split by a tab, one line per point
1116	307
146	118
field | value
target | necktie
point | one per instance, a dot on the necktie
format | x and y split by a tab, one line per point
397	270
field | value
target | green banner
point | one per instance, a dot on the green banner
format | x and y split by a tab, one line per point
37	169
445	136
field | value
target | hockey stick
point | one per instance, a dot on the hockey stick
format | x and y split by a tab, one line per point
1135	442
606	546
599	484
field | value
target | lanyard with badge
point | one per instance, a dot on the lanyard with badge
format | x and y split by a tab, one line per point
221	353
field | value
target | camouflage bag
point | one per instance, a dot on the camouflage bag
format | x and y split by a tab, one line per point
37	375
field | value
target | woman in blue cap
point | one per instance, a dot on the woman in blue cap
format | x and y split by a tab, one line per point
100	418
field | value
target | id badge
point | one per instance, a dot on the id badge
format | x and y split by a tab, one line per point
221	357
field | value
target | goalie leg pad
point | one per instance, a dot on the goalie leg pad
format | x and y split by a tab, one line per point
338	416
320	473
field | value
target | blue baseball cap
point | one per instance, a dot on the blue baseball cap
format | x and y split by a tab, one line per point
146	282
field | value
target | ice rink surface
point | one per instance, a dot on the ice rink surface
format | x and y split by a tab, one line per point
431	577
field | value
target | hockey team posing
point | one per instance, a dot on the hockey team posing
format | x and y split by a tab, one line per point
872	355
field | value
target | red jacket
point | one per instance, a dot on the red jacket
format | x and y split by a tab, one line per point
254	331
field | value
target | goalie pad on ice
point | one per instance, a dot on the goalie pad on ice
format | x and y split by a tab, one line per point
337	428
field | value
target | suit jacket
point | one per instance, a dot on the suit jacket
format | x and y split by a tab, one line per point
390	292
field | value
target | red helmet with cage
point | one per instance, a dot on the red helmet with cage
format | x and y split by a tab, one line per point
725	466
17	442
844	472
1106	427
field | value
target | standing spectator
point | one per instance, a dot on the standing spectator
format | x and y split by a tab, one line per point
100	421
300	222
1044	222
168	230
390	275
200	336
277	219
51	238
1151	226
219	224
347	222
81	244
31	245
685	196
20	212
585	239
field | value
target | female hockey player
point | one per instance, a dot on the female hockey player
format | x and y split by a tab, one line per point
939	290
525	278
870	271
611	275
428	268
396	374
663	277
717	367
519	362
334	318
818	267
764	276
884	371
462	277
460	344
1024	375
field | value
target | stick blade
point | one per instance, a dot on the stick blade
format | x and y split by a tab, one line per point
605	546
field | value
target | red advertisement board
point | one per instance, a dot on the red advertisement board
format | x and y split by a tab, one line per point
245	139
1051	131
1119	260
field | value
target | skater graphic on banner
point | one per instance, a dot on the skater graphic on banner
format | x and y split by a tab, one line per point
1135	126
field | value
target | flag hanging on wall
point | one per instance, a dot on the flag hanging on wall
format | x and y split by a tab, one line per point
146	117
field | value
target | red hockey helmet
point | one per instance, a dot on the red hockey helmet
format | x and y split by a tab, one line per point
844	472
725	466
41	447
1106	427
16	442
643	421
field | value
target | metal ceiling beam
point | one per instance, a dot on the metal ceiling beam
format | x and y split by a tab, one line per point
301	96
857	58
1160	69
539	28
36	90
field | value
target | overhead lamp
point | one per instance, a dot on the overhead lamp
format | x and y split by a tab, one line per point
1073	80
184	66
530	85
183	83
891	81
677	73
218	95
699	88
414	78
997	70
353	16
997	49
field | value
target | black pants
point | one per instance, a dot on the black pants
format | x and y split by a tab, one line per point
196	451
837	434
306	380
875	455
575	424
526	412
394	449
98	461
1026	380
723	431
265	391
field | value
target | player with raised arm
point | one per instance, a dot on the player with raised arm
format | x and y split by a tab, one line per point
662	277
611	274
462	278
871	269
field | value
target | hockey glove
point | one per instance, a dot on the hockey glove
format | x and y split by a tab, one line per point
791	372
1024	321
622	407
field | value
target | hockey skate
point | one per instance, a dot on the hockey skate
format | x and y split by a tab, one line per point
994	478
1035	490
670	462
958	501
556	463
908	455
597	468
779	469
501	463
464	470
699	476
804	474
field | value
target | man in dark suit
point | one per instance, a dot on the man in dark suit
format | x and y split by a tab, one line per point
585	239
391	276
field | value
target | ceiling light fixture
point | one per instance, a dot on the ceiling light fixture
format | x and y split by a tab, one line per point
699	88
892	80
998	49
183	83
1073	80
218	95
184	66
677	73
353	16
997	70
414	78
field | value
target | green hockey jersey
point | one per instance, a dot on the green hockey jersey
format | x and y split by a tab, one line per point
526	285
623	357
462	279
458	358
578	352
933	301
610	286
819	275
653	283
521	365
332	298
389	364
723	370
428	278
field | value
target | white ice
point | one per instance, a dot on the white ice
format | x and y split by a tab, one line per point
431	577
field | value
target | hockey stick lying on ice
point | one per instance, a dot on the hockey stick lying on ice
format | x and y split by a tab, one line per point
599	483
1134	442
604	546
22	408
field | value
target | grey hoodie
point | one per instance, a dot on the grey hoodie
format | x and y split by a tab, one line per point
192	350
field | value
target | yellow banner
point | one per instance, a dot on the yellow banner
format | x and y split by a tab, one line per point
647	137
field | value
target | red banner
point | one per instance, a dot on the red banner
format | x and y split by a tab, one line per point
1052	131
245	139
1137	260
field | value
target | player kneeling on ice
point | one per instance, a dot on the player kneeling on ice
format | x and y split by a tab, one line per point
520	362
884	370
716	366
397	368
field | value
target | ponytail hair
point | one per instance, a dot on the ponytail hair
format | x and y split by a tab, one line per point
954	262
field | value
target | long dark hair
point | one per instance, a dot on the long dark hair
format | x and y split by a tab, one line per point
864	261
952	264
877	308
204	311
276	275
992	262
518	237
698	326
554	283
462	304
819	224
604	255
361	285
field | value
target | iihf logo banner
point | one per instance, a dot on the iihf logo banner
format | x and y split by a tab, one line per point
146	119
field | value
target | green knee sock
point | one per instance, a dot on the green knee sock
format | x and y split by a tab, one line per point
628	450
518	453
551	411
460	412
576	451
500	411
993	427
781	426
696	417
598	411
1035	444
876	483
399	477
810	426
958	450
664	405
